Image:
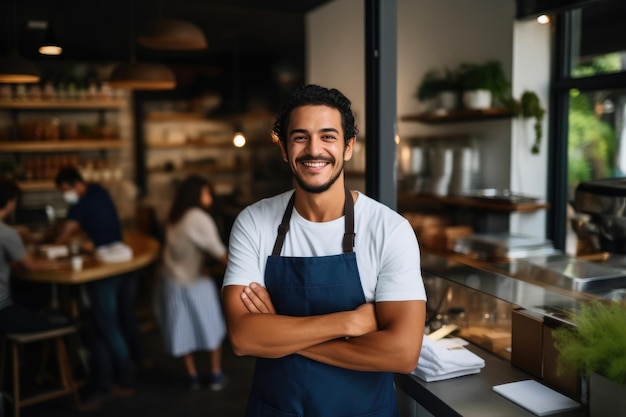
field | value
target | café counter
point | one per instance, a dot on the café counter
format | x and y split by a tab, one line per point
145	251
484	301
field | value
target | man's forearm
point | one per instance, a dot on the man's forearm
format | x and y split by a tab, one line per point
393	348
273	335
375	351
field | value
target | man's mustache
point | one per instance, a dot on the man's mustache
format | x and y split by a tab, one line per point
315	158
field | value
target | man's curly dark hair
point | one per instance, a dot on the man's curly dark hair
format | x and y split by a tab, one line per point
312	94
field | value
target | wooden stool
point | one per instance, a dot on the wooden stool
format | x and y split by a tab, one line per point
67	383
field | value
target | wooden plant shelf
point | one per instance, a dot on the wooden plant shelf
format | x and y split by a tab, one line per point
62	105
459	116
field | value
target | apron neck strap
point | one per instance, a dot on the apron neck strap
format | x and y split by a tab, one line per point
348	212
348	236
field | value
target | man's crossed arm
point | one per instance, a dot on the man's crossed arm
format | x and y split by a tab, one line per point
384	337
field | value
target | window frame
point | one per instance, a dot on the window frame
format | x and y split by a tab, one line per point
561	84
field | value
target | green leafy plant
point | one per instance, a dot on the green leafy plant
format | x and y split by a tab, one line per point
530	106
487	76
597	342
527	106
434	82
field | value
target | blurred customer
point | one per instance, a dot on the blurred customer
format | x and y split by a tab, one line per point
190	310
115	338
14	317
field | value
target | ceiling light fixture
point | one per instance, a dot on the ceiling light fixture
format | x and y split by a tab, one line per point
543	19
49	45
140	75
13	68
172	35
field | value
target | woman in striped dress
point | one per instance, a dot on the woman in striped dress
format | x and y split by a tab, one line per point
190	310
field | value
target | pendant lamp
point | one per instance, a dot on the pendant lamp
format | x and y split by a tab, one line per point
49	45
15	69
172	35
141	75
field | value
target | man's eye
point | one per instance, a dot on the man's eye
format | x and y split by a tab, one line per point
328	137
299	138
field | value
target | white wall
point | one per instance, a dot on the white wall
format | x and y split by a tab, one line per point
438	34
531	71
335	51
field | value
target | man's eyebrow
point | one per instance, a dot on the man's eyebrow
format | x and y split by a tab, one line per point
326	129
291	132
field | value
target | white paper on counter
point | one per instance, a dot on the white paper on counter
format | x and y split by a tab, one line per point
535	397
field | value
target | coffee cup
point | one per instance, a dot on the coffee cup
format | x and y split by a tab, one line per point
77	263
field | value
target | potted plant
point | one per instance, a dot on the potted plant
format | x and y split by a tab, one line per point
440	87
482	84
528	106
596	347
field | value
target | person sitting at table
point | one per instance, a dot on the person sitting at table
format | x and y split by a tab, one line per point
190	311
115	337
14	317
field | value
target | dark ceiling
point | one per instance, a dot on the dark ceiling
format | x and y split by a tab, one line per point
101	30
249	40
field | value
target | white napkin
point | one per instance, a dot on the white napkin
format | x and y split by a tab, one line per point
436	362
114	252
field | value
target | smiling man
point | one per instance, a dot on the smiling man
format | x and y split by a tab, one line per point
323	284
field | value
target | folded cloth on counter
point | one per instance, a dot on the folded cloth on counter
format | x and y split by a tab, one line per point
114	252
437	363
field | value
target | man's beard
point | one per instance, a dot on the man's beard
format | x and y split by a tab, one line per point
320	188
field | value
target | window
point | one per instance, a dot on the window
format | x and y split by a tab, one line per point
590	102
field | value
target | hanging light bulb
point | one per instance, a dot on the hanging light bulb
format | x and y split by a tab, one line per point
239	140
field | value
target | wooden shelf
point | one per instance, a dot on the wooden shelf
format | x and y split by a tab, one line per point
191	169
61	146
412	201
459	116
40	185
221	145
173	116
62	105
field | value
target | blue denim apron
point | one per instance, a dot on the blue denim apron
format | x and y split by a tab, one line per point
295	385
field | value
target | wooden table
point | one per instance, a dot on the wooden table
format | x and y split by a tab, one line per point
145	251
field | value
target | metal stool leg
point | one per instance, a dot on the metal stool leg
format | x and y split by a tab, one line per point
16	380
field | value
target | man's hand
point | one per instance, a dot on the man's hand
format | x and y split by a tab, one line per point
363	320
257	300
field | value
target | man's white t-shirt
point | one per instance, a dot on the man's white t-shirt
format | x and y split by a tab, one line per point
386	248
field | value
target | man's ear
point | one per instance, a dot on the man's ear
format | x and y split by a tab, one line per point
283	151
347	153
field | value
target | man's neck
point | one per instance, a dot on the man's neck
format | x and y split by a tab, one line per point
321	207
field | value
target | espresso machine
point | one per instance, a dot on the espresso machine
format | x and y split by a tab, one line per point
603	202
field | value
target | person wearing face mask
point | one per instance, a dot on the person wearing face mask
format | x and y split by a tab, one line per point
114	334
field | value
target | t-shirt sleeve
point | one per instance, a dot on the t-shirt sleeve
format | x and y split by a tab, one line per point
202	230
12	244
243	253
400	276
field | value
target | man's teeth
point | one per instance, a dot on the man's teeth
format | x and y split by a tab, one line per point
315	164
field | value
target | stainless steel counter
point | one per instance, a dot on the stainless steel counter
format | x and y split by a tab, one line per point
550	285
